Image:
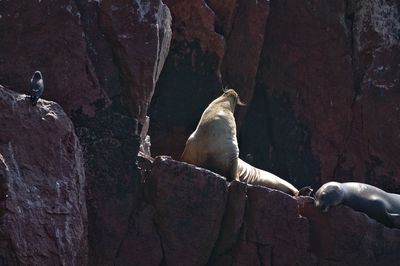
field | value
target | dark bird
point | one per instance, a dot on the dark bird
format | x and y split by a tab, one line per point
37	87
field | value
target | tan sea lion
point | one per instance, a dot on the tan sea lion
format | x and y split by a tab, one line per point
213	145
376	203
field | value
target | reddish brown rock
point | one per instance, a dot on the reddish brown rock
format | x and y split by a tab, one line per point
233	218
47	36
260	226
343	236
243	49
189	203
194	20
225	11
43	209
374	150
123	45
326	86
271	228
139	36
127	43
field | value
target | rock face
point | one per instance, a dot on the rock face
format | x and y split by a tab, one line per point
321	83
189	205
100	60
43	213
191	216
131	37
321	100
60	55
319	80
343	236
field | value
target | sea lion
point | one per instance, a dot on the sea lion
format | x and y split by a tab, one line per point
213	145
37	87
376	203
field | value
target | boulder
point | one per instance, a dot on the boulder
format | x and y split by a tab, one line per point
43	217
189	204
48	36
344	236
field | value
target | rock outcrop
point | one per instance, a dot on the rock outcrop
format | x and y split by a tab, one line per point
320	80
326	93
100	61
43	217
199	219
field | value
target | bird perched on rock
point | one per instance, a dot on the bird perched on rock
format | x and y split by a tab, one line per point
37	87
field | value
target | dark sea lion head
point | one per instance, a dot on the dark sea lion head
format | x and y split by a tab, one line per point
330	194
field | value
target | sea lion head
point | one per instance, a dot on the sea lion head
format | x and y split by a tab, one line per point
233	97
330	194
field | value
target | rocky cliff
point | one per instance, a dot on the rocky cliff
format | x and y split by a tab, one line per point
43	216
321	82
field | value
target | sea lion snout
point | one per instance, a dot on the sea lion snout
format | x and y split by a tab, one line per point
322	205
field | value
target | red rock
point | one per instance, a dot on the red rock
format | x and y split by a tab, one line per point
43	207
343	236
326	86
141	243
233	218
133	38
127	43
225	11
189	203
47	36
243	49
194	20
139	35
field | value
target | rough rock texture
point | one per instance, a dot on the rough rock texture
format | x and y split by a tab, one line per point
327	92
196	219
127	42
100	60
343	236
243	48
105	49
189	205
321	82
43	218
261	226
32	40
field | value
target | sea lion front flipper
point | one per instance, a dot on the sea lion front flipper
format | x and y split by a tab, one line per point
394	218
305	191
